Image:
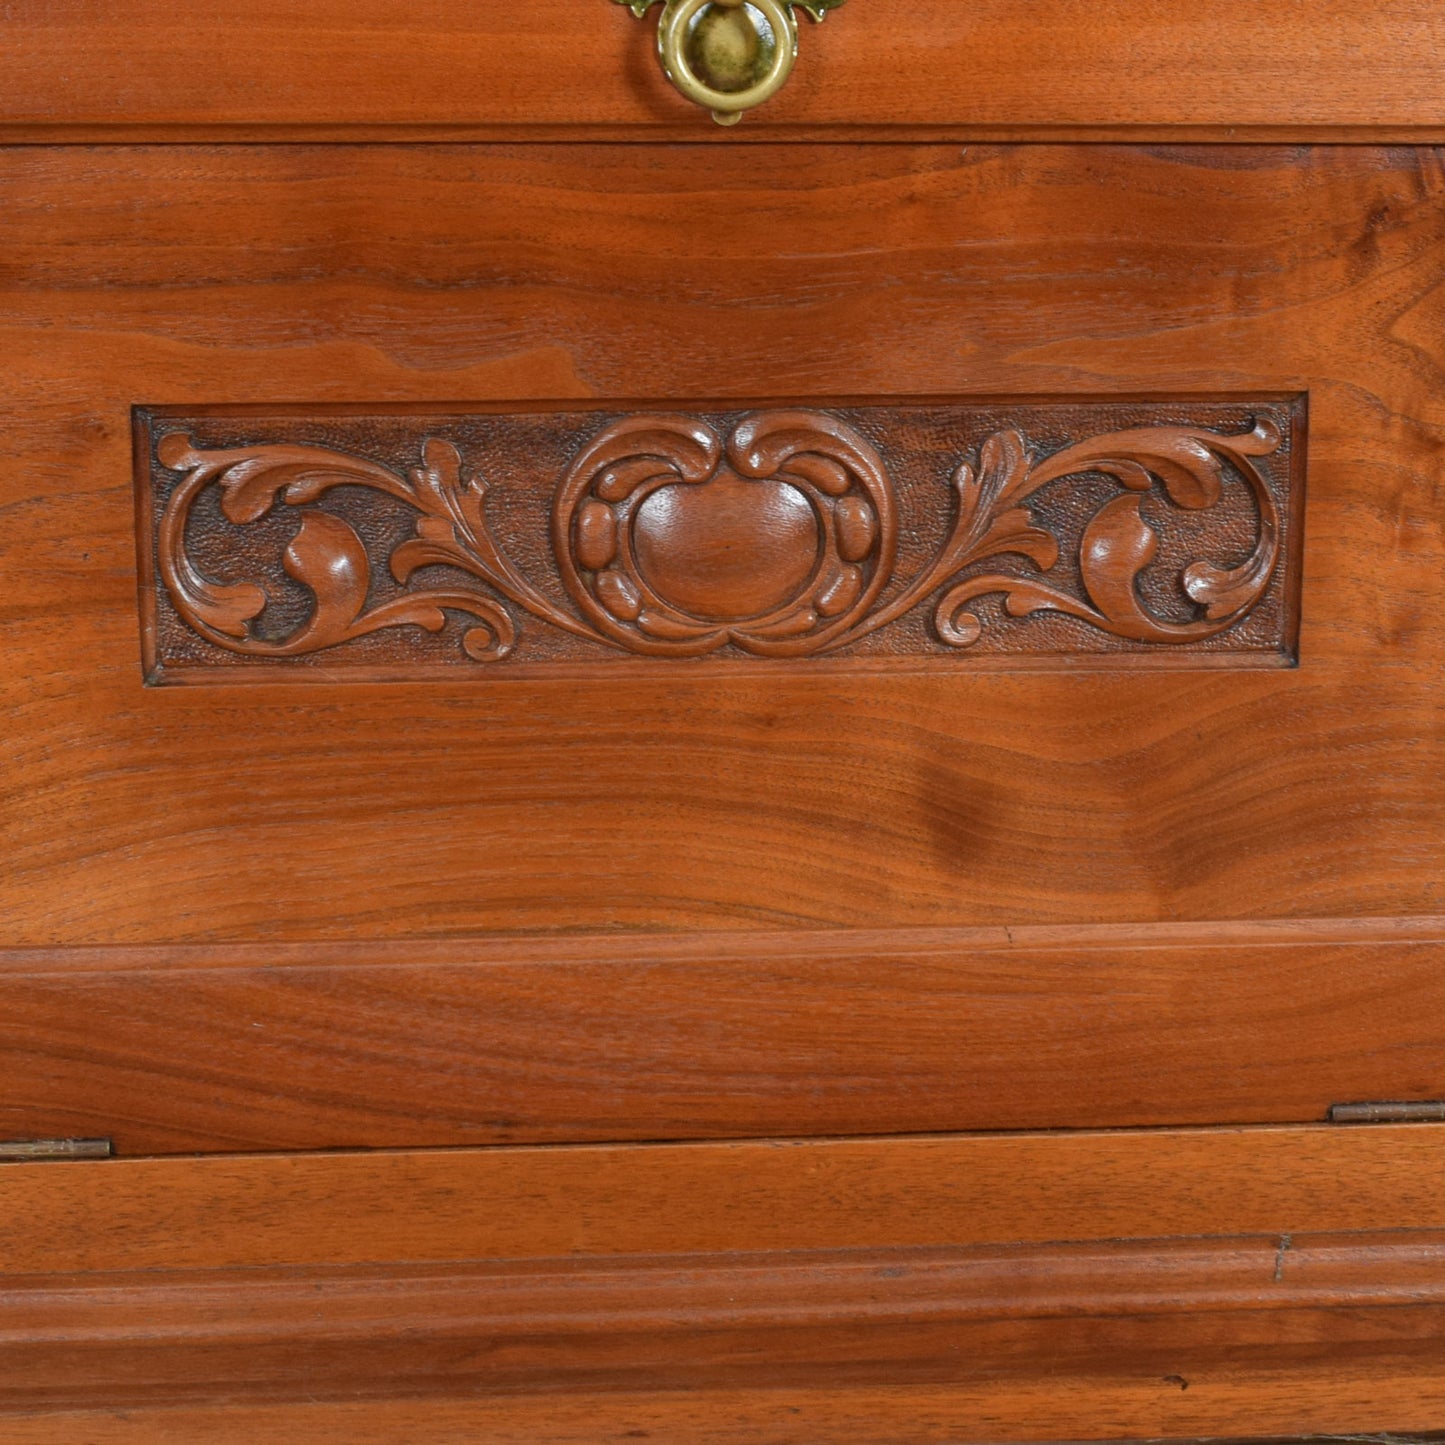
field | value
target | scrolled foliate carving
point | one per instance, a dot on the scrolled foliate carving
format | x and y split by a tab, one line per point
327	556
776	533
1118	543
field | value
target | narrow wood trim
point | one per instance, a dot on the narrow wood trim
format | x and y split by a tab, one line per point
1179	1323
904	1290
685	1295
1333	1397
895	943
686	131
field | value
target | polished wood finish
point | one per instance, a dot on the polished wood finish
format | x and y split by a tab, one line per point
419	545
223	1048
649	1288
469	68
137	814
1313	1395
681	900
436	1206
1177	1310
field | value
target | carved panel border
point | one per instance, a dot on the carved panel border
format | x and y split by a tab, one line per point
338	543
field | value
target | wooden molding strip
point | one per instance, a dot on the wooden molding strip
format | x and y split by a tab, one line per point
693	1294
699	945
1336	1398
898	1291
1169	1317
236	1047
684	131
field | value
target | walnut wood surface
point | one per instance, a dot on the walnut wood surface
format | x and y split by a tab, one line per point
413	546
904	1415
486	67
416	276
437	1206
1176	1314
1310	1395
716	1035
565	1294
682	808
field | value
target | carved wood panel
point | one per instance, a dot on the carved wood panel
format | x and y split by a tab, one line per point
477	542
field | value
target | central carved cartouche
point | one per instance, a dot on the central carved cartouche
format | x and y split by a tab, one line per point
727	549
775	539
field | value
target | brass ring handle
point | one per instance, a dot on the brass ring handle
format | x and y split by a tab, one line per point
676	38
729	55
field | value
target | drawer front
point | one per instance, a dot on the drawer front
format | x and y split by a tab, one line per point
584	69
394	889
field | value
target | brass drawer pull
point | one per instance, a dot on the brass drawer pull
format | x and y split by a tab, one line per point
729	55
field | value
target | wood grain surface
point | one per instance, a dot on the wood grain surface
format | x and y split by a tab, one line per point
585	1293
437	1206
169	1050
413	275
1328	1397
697	905
1179	1312
83	68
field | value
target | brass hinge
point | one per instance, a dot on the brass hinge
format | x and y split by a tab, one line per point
36	1150
1426	1113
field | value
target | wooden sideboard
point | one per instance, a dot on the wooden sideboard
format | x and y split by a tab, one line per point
770	783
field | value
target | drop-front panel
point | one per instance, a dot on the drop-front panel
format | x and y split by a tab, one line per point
677	639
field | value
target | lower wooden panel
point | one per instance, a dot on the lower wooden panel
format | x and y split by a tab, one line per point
887	1290
713	1036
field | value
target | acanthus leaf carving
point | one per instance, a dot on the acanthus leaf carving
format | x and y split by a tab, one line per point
776	536
1118	543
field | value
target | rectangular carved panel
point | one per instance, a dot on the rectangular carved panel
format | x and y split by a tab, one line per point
374	543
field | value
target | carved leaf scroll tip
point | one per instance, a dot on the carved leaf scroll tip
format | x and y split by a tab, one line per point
1118	543
325	555
177	451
